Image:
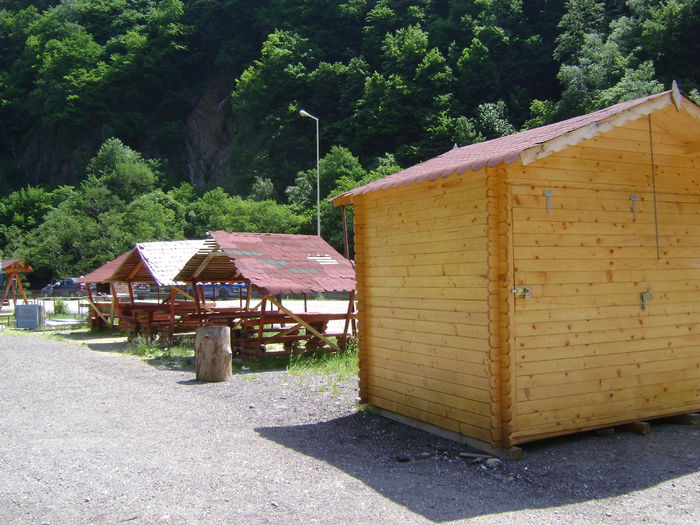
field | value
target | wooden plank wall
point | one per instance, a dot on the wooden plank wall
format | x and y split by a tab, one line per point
423	312
586	355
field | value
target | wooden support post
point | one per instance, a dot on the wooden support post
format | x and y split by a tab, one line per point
99	313
131	293
213	353
263	304
248	294
171	312
351	309
305	324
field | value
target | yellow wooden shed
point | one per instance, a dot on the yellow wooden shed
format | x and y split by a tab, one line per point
538	284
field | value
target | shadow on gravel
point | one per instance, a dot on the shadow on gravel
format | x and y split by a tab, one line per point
426	474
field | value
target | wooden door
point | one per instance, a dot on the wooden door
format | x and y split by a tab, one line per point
604	331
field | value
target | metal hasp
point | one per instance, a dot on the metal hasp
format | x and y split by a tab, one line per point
644	298
522	291
548	195
634	199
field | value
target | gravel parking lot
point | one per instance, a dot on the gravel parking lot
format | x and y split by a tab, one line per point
91	436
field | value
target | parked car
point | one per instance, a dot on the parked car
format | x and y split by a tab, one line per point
68	287
223	291
141	290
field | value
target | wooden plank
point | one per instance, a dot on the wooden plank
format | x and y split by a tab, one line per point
417	414
611	385
380	240
467	283
560	240
566	377
524	343
594	407
452	370
470	408
611	312
596	324
477	359
399	259
473	310
421	314
430	327
611	354
450	341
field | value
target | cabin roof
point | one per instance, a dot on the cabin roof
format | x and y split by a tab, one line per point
16	265
104	273
275	263
527	145
155	262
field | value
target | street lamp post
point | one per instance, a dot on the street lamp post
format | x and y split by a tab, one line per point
305	113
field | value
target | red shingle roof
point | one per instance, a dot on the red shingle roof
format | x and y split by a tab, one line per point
17	265
278	263
104	273
491	153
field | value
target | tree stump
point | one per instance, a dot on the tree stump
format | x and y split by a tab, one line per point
212	350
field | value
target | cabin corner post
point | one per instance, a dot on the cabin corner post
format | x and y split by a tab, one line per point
360	250
499	305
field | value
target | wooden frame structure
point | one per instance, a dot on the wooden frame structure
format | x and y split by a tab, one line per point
273	265
153	262
538	284
13	268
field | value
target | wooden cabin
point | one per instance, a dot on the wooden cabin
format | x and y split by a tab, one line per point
273	265
538	284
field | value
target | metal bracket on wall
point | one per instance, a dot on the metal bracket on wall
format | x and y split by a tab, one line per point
644	298
634	199
522	291
548	195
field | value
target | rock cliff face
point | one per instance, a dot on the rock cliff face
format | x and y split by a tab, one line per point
208	135
53	155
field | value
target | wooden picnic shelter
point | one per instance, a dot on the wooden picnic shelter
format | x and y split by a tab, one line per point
538	284
13	268
153	263
273	265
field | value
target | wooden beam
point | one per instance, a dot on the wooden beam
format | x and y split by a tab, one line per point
303	323
204	264
99	312
138	266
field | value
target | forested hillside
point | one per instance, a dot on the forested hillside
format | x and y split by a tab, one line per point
137	120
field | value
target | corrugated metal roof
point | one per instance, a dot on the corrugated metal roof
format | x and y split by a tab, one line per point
18	265
493	152
157	262
104	273
274	263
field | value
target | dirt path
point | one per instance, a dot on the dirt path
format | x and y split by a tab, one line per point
89	436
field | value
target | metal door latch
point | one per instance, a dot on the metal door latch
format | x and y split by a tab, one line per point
644	298
548	196
522	291
634	199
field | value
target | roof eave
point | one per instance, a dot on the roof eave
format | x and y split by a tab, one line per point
592	130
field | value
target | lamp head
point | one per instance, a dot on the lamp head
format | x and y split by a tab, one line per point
305	113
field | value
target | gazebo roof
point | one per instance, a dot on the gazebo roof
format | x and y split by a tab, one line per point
104	273
274	263
15	266
155	262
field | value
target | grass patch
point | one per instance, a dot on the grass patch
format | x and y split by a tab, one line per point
178	355
336	368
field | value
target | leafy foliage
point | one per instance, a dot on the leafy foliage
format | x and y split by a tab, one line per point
92	91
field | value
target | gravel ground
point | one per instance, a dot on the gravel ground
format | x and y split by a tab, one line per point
90	436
